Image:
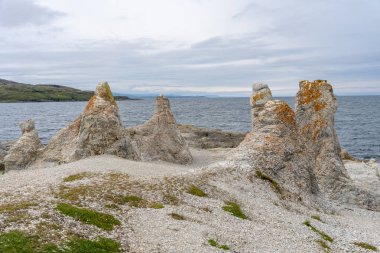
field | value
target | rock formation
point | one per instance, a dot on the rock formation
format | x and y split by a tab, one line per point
98	130
301	151
272	147
315	109
159	138
25	150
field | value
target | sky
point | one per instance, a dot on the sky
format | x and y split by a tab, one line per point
192	47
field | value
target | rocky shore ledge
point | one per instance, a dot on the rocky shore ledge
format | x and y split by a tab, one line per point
160	187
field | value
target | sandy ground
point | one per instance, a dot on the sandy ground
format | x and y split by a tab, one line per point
273	225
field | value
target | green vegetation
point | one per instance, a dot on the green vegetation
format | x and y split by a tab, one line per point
316	217
10	208
101	220
234	209
324	236
20	242
217	245
99	246
156	205
273	183
196	191
177	216
323	244
76	177
365	245
19	92
134	201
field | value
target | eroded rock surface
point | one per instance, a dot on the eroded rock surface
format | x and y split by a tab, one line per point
159	138
25	150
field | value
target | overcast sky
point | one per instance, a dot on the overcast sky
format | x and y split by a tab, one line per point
192	46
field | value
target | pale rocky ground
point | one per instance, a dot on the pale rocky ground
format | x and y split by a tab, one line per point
274	225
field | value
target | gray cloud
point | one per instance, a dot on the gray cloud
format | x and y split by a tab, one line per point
22	12
333	40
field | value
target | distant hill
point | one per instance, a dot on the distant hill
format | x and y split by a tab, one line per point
19	92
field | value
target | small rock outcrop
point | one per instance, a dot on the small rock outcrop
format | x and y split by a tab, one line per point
25	150
98	130
272	147
158	138
204	138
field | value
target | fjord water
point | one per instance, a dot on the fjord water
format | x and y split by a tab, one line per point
357	120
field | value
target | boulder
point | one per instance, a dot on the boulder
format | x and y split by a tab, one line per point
158	138
98	130
25	150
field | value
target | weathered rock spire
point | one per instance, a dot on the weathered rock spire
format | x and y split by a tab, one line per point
159	138
25	150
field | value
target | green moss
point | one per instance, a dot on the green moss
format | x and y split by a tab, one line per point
101	220
324	236
177	216
273	183
215	244
76	177
156	205
20	242
234	209
196	191
316	217
365	245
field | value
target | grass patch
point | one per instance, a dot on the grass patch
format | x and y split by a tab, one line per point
273	182
135	201
193	190
177	216
214	243
75	177
156	205
20	242
10	208
323	244
101	220
324	236
101	245
171	199
365	245
316	217
234	209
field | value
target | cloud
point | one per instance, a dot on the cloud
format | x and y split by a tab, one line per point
217	46
21	12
